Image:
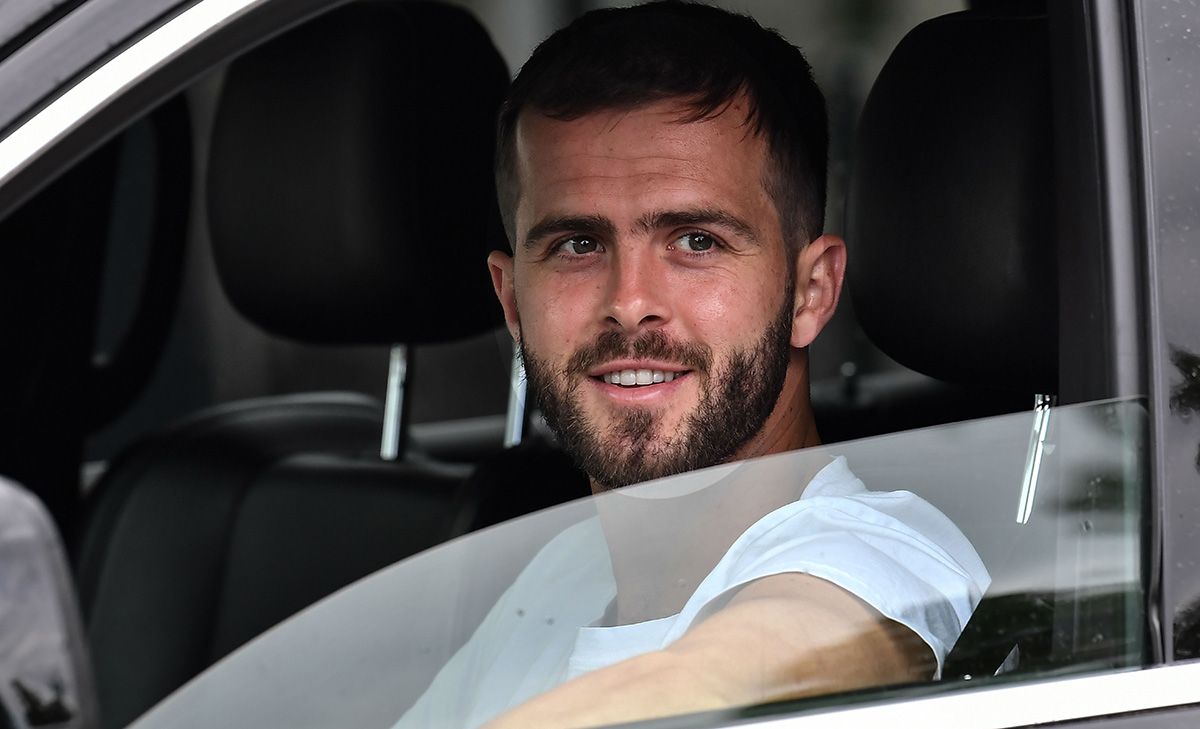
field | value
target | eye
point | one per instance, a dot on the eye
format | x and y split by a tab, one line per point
695	242
579	245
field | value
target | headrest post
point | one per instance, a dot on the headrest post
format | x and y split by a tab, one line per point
391	448
514	423
1033	459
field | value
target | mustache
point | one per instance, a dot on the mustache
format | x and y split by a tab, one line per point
653	344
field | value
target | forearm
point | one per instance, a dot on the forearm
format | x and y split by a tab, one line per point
763	647
661	683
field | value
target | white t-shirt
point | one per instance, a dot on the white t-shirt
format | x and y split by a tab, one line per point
892	550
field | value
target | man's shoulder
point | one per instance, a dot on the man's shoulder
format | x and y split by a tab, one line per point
892	549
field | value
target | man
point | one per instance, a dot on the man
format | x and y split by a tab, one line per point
661	174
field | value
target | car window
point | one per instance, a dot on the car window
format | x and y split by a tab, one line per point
1063	592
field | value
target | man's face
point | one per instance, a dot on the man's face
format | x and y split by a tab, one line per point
650	290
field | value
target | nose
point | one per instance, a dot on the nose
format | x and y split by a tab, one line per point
637	295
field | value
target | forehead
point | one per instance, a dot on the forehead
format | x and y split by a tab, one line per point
661	126
648	153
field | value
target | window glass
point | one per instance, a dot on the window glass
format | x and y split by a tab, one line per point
485	622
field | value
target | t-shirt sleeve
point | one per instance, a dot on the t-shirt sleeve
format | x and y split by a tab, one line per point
892	550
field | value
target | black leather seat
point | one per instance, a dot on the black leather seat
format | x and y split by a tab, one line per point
350	201
950	221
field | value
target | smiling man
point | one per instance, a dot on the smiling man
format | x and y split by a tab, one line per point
665	206
654	292
661	174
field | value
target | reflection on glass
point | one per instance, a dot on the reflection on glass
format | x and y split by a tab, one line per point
1185	403
496	619
1185	395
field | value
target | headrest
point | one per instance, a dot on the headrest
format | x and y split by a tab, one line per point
950	210
351	198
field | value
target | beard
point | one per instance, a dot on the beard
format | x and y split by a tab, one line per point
734	404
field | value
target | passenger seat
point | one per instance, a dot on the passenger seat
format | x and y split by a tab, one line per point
350	202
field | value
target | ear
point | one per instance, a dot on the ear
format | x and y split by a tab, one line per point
501	266
820	267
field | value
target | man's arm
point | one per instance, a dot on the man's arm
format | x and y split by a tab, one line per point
784	636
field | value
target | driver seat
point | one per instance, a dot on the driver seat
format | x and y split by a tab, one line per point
950	219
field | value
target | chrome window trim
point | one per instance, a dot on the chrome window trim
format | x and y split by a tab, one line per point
67	49
109	80
1021	704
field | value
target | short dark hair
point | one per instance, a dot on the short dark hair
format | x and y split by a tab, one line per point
621	58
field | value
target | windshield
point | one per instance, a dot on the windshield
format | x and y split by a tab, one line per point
1026	529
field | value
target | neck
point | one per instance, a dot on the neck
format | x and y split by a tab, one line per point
662	548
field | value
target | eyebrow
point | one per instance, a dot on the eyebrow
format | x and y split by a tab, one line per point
697	217
596	225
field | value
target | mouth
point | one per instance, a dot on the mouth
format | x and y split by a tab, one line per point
634	377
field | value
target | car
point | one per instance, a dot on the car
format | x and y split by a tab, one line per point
209	206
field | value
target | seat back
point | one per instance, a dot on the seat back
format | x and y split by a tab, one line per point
207	533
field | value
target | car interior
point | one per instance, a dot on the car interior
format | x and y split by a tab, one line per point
342	174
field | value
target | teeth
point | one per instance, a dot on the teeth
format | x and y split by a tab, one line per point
634	378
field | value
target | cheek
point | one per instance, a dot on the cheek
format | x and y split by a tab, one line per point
724	309
554	313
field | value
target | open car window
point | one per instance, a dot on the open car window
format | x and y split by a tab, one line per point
1050	503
